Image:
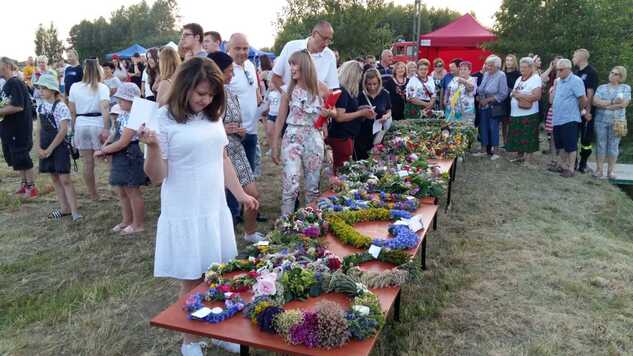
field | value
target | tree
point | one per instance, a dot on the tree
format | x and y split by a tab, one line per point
47	43
360	26
138	23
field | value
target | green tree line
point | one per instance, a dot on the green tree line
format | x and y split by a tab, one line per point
139	23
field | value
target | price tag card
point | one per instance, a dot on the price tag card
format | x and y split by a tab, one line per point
262	243
402	222
415	223
403	174
374	250
201	313
216	310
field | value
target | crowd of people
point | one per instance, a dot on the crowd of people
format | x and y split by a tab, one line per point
207	154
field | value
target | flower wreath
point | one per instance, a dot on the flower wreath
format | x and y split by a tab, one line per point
340	225
233	305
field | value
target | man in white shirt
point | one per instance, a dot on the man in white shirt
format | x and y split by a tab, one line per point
323	57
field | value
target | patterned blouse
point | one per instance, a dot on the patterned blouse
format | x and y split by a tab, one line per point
609	92
302	111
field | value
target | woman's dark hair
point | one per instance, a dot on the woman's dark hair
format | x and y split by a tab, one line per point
109	65
265	62
189	75
152	73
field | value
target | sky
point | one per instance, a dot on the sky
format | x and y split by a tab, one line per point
253	17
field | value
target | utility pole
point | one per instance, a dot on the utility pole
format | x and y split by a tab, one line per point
416	28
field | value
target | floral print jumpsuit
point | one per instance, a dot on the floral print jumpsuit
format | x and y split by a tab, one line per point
302	150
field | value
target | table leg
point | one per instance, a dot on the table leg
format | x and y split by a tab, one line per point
454	169
435	221
244	350
423	254
396	310
448	197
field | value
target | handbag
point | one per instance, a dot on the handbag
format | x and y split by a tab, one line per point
620	128
497	110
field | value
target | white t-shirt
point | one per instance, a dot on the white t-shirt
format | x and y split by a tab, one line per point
86	101
274	100
324	63
244	85
525	87
61	111
148	88
418	90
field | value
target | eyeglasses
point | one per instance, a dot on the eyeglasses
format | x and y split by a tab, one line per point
325	39
186	34
248	77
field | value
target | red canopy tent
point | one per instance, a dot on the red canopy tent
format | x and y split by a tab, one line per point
461	38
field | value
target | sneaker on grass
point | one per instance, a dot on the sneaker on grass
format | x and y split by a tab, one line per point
228	346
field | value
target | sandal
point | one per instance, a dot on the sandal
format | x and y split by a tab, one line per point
57	214
596	175
130	230
119	227
612	176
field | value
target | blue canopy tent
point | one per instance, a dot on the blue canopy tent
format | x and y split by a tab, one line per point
128	52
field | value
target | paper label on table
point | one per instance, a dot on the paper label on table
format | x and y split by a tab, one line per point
377	127
403	174
216	310
201	313
415	223
402	222
374	250
262	243
143	112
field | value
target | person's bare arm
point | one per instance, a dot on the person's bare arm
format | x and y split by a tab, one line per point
10	110
277	81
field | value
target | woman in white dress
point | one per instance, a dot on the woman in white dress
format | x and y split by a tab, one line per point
187	156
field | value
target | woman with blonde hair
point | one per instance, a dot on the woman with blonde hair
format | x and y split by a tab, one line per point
511	69
168	63
346	123
374	96
610	101
89	104
396	85
302	143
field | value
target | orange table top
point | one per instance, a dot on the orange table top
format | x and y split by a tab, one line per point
240	330
444	164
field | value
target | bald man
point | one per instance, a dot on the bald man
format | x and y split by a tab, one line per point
323	57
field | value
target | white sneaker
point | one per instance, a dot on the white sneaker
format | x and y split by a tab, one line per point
191	349
254	237
228	346
494	157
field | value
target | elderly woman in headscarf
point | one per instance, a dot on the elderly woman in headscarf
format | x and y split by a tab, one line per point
524	111
491	94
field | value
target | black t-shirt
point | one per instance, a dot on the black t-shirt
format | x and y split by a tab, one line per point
589	77
17	127
138	80
382	103
72	75
397	94
511	79
345	129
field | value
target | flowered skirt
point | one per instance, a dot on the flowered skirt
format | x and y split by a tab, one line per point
523	134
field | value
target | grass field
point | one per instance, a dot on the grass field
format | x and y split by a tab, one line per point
525	263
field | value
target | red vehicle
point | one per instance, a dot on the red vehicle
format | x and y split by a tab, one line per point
461	38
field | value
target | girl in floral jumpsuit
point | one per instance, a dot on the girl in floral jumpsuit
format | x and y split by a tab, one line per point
302	144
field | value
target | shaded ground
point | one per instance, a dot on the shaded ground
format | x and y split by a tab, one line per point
526	263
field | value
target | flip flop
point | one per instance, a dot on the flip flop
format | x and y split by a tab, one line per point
57	214
129	230
119	227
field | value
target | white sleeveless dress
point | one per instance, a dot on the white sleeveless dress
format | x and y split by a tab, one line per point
195	227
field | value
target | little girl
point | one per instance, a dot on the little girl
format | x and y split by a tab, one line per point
273	99
127	164
302	142
53	149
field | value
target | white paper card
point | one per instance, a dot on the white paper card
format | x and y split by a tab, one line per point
262	243
415	223
402	222
403	174
143	112
374	250
201	313
377	127
216	310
